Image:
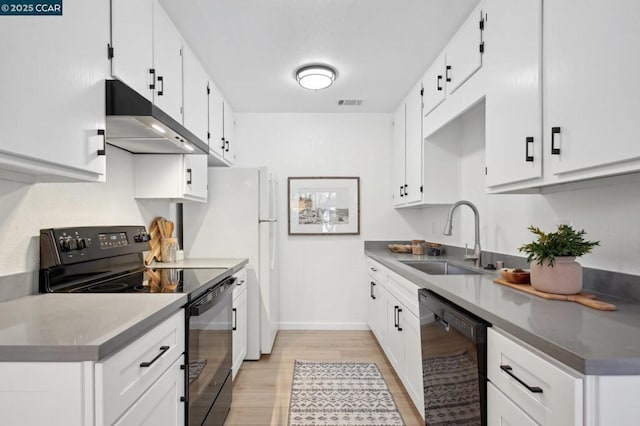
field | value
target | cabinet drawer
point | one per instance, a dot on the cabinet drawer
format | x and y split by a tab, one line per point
121	380
554	394
376	270
405	291
502	411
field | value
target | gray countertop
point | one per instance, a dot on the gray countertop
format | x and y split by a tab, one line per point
63	327
590	341
78	327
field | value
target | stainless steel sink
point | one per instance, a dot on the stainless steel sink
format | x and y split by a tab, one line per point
439	268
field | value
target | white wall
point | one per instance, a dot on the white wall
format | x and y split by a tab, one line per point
608	211
25	209
322	277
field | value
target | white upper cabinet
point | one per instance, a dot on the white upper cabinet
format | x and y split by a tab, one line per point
182	177
229	128
513	101
398	155
196	95
592	90
464	52
132	44
52	107
167	61
407	150
433	84
413	146
216	122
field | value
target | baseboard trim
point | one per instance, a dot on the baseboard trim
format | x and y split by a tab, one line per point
323	326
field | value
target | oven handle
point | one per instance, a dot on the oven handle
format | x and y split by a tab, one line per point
199	309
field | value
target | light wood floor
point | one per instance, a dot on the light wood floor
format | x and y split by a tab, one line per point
262	388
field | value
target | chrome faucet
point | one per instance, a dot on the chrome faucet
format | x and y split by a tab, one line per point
448	226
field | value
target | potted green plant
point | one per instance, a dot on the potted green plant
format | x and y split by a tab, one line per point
552	259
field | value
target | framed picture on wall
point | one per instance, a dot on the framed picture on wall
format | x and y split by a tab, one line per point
324	205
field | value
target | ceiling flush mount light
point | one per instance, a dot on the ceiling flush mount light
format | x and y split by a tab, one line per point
315	77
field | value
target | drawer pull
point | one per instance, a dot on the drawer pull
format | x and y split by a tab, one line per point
163	350
507	369
374	269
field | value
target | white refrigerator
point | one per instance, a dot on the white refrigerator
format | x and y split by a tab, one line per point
240	220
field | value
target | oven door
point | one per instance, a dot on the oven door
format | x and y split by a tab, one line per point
209	337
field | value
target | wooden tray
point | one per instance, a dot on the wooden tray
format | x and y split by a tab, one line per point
582	298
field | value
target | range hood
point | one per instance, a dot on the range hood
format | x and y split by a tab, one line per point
136	125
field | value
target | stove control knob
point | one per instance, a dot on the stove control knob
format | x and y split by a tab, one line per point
141	238
64	244
81	243
73	244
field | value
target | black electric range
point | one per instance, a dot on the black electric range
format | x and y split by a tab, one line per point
98	259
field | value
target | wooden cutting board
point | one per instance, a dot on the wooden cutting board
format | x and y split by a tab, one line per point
582	298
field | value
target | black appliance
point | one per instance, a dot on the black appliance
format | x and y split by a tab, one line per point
110	260
454	362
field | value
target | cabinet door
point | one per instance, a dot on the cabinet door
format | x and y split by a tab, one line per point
216	121
376	318
502	411
229	133
463	54
412	361
239	343
195	177
513	101
394	347
196	97
399	155
132	42
53	95
433	83
592	90
167	61
413	146
162	404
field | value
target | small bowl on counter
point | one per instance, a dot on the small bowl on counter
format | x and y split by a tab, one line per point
515	275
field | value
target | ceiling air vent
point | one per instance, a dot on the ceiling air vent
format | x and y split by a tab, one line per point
350	102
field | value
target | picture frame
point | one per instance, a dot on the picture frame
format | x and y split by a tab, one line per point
323	205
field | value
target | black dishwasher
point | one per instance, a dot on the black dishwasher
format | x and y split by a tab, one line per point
454	362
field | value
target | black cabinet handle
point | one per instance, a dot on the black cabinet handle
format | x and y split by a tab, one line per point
235	319
374	269
399	310
227	148
438	85
447	76
190	177
161	90
554	131
163	350
401	188
103	151
395	317
507	369
371	290
152	71
222	144
528	140
405	189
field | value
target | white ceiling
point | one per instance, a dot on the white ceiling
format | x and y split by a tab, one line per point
380	48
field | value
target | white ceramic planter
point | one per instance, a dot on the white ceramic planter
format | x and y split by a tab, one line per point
565	277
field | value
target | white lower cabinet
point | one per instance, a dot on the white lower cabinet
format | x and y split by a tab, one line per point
239	342
392	314
158	405
502	411
115	391
547	392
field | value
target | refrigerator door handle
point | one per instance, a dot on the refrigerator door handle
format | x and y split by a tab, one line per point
273	244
